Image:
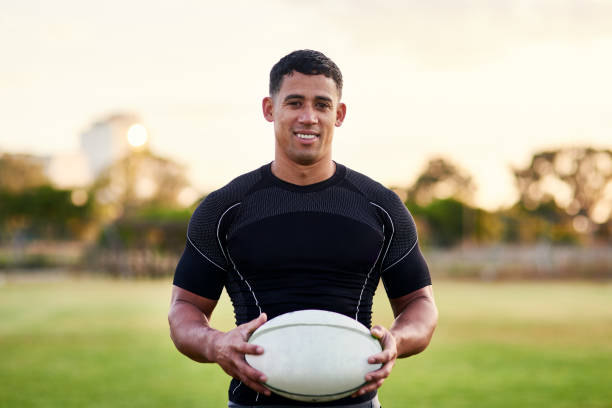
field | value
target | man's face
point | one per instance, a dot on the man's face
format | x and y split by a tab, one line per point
304	111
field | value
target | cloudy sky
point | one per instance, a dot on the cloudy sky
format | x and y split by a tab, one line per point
484	83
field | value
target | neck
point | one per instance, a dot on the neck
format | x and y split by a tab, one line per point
303	175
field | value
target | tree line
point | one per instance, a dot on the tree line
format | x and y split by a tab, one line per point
565	197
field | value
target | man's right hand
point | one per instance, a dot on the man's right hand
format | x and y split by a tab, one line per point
230	349
191	333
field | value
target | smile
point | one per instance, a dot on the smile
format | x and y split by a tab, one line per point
305	136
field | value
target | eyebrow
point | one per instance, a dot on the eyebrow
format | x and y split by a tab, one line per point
298	96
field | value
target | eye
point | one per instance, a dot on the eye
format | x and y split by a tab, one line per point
294	103
323	105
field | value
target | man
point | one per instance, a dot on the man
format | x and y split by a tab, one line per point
302	232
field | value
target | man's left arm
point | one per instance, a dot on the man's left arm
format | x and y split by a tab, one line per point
416	317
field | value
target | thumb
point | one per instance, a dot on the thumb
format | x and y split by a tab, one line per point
255	323
378	332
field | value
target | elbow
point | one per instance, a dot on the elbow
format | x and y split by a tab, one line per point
423	333
172	330
431	327
429	331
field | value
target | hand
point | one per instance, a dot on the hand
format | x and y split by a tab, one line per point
386	357
230	349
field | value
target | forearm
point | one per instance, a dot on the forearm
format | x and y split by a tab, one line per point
414	326
191	333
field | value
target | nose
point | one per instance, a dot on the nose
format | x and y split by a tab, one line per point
308	115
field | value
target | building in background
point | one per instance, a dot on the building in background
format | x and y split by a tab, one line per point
107	140
104	142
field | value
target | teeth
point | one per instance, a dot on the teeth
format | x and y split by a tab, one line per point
304	136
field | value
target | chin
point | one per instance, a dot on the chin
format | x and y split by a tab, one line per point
304	159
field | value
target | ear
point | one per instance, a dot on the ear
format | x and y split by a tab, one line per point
267	105
340	114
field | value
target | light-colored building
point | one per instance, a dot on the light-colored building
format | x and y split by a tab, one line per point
104	142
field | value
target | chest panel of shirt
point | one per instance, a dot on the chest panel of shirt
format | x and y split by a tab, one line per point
331	228
303	261
314	242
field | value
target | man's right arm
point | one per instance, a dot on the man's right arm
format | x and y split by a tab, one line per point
192	335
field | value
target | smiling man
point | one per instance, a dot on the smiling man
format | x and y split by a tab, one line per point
302	232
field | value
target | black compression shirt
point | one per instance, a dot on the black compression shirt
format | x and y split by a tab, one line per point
278	247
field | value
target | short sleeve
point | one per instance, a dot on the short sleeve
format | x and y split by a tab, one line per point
202	268
403	268
204	264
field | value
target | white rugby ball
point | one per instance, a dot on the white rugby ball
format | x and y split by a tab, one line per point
314	355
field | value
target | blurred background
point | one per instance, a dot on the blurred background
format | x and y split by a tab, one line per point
491	120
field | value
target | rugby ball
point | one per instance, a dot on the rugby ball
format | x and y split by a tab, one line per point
314	355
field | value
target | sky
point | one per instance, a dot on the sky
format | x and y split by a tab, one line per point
483	83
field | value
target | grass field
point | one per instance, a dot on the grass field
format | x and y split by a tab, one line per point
103	343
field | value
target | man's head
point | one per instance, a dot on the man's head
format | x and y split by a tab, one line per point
304	104
306	62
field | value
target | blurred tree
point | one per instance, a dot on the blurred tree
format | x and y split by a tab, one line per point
441	179
140	179
21	171
42	212
578	180
547	222
439	201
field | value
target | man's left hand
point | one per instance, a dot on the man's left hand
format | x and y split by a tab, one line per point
386	357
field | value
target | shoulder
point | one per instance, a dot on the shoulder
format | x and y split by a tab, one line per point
237	188
220	200
374	191
389	206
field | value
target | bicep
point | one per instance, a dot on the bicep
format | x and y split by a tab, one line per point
399	304
203	304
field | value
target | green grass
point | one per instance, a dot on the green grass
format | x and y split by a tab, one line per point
104	343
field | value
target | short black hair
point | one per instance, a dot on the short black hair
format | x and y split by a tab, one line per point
307	62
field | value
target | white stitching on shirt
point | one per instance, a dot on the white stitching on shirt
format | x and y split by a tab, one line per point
377	257
200	252
219	226
392	231
239	384
405	255
389	246
368	277
245	281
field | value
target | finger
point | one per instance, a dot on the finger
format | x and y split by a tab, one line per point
255	386
384	337
248	348
382	357
251	326
368	388
251	373
253	378
377	331
381	373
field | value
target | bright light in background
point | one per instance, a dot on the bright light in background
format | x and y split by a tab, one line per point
486	83
137	135
79	197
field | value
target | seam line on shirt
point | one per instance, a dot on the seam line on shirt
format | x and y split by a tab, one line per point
201	253
245	281
405	255
368	277
235	388
392	233
219	226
